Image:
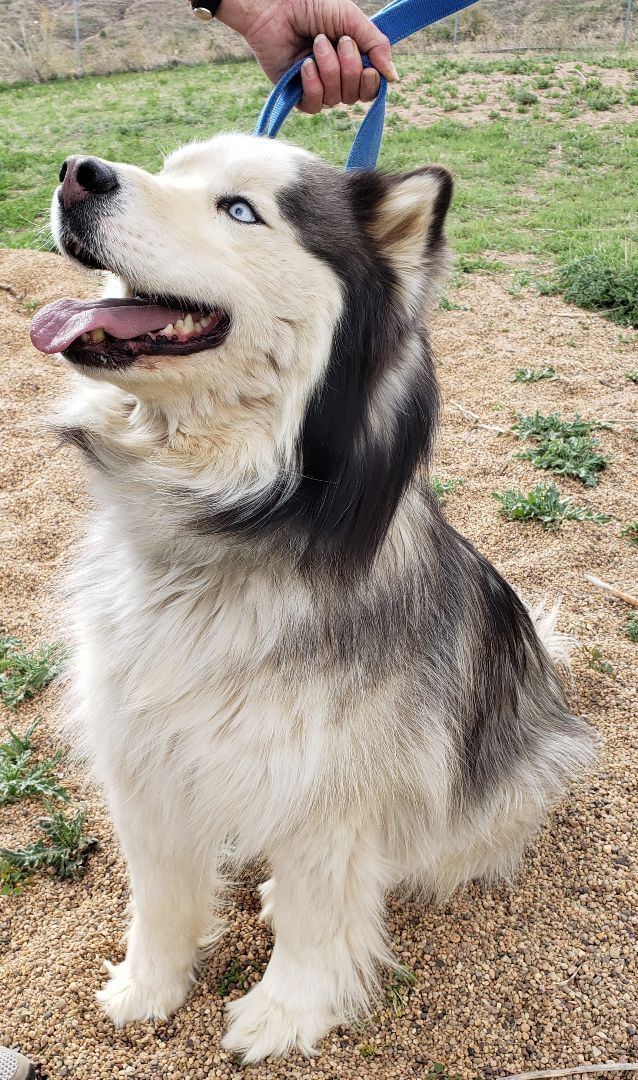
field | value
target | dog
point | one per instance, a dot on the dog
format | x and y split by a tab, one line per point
278	638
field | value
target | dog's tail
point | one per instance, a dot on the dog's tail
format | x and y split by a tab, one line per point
557	645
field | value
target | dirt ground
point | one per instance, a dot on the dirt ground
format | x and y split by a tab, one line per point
480	97
543	974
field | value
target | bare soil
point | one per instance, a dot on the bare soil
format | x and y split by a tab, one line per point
543	973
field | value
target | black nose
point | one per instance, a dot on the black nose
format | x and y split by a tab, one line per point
82	176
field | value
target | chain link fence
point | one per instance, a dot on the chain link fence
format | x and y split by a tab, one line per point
57	38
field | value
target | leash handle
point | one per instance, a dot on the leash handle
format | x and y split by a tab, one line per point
398	20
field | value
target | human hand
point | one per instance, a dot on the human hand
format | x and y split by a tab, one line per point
280	32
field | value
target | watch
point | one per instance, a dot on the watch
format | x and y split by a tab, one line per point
205	9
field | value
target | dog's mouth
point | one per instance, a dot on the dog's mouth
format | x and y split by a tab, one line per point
114	333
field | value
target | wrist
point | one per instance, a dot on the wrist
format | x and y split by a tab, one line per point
240	15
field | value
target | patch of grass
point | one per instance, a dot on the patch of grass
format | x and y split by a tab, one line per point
525	96
443	488
596	96
545	506
445	304
20	777
398	989
603	282
631	532
24	673
598	663
64	851
12	879
526	374
542	285
631	628
632	375
564	447
466	264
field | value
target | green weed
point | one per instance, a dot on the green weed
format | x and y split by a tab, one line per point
525	96
439	1072
398	989
64	851
445	304
631	532
443	488
24	673
544	505
20	777
576	457
598	663
367	1050
632	375
12	879
527	374
564	447
551	426
631	628
235	975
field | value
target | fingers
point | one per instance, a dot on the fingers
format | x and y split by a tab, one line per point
369	85
312	98
336	75
351	70
329	69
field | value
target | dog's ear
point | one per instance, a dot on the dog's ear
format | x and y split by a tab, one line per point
403	214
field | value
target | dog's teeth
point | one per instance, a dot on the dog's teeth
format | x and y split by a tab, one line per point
189	325
86	337
98	335
198	327
179	326
168	331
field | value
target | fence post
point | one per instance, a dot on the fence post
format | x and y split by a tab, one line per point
76	30
456	27
628	14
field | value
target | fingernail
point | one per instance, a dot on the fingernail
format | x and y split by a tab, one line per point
309	65
346	46
394	74
322	45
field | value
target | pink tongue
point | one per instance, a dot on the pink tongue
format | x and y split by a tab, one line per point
57	325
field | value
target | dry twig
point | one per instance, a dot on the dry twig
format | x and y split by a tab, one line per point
612	590
477	420
608	1066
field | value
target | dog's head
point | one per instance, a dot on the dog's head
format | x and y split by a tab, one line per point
271	307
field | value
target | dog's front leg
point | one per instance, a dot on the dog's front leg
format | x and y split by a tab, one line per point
327	907
171	894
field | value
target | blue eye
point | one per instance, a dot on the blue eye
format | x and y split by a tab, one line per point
241	211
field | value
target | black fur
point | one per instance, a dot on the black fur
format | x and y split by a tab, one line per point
352	475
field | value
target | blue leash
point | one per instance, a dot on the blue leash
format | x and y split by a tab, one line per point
398	20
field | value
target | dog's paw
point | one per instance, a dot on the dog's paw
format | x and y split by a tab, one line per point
267	897
125	998
260	1027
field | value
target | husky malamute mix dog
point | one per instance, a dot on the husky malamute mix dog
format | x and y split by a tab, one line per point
278	637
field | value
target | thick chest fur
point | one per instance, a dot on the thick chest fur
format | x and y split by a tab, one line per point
195	682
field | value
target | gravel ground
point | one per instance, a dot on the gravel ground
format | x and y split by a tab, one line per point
538	975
